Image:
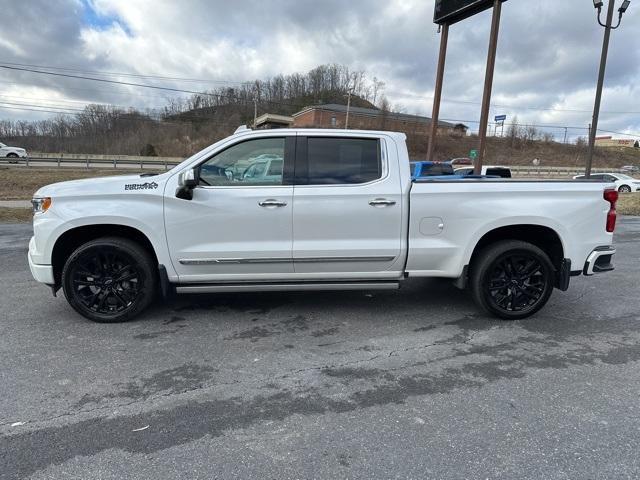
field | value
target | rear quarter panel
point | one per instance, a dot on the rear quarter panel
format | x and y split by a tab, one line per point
448	219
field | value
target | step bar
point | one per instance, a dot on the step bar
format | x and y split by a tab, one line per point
285	287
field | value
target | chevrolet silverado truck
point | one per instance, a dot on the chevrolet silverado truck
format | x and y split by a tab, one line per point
340	213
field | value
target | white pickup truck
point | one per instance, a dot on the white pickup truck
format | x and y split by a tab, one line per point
341	212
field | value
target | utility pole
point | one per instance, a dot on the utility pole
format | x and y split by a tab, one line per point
566	130
488	84
255	112
608	26
437	96
346	122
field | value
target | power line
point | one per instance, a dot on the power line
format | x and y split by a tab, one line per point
2	102
141	85
132	75
107	90
118	82
192	115
139	119
550	109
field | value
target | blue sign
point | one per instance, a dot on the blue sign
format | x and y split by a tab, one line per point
501	118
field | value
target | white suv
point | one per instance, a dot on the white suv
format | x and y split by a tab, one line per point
12	153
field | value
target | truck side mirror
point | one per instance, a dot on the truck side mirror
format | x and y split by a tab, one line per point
187	181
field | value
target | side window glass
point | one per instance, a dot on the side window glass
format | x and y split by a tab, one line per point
343	160
254	162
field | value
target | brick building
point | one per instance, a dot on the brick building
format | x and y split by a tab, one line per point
334	116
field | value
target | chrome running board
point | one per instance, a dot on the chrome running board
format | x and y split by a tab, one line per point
286	287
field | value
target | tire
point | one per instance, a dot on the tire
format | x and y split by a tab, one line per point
511	279
624	189
109	280
12	157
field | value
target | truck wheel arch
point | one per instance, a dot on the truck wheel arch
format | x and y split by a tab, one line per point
543	237
71	239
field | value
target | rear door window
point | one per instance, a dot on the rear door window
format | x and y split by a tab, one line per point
339	161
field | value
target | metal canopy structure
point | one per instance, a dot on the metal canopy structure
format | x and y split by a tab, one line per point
453	11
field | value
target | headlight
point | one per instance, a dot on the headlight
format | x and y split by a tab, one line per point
41	204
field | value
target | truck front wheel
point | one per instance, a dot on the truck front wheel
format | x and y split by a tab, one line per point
511	279
109	280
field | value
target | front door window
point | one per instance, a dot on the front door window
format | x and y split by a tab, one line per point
254	162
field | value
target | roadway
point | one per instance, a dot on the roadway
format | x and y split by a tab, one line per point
408	384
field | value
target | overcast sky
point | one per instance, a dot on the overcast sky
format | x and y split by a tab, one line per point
546	71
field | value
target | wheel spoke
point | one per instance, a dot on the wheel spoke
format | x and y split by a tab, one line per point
90	301
126	277
120	299
102	301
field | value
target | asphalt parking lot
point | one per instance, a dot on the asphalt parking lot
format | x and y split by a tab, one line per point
407	384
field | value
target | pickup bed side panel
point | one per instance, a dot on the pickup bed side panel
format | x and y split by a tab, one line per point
447	219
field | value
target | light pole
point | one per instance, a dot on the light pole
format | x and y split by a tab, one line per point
608	26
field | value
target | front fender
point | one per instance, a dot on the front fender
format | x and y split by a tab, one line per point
144	214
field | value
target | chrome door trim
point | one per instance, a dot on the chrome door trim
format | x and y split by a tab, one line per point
378	258
222	261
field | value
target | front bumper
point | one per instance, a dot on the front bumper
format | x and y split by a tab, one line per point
600	260
41	273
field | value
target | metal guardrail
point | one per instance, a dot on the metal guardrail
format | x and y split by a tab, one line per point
89	162
166	163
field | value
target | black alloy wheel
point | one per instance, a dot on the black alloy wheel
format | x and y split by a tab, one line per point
516	282
109	280
512	279
106	282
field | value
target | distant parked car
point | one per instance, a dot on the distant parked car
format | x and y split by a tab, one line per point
630	169
624	183
489	170
12	153
264	170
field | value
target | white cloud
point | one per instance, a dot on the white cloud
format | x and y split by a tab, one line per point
548	51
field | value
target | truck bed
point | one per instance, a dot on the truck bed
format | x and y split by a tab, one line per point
449	217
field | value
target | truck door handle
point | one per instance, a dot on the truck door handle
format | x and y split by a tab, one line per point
272	203
383	202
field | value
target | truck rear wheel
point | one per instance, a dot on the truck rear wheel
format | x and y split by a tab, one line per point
512	279
109	280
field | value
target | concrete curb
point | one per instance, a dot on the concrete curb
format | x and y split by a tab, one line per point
15	204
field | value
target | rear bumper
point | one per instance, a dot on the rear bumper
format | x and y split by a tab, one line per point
599	261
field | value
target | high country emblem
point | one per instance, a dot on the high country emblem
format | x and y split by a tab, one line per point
141	186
